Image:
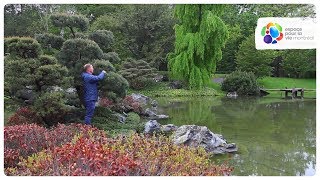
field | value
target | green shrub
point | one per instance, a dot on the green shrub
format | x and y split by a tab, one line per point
77	52
244	83
48	40
138	73
114	58
23	47
81	35
39	73
114	82
51	108
103	38
67	20
107	120
46	60
100	65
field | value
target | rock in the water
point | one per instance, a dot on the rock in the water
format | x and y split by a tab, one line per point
161	116
168	128
152	126
232	94
150	113
196	136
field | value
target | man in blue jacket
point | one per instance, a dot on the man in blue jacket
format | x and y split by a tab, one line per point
90	83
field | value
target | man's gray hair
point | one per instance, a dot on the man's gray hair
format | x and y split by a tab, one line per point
86	66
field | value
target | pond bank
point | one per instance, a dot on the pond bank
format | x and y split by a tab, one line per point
274	137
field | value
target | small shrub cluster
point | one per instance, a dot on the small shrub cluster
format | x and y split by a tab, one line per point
139	73
105	102
105	119
67	20
23	47
24	140
49	41
24	115
103	38
244	83
128	101
113	57
51	108
121	156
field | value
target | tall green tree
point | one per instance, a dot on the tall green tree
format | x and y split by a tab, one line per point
71	22
300	63
200	36
140	31
228	61
250	59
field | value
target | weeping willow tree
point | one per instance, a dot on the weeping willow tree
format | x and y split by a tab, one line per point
200	35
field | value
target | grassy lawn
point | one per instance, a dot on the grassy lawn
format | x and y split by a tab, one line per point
279	83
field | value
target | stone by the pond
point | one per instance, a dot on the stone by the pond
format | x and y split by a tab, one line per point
161	116
140	98
168	128
232	94
196	136
154	103
152	115
152	126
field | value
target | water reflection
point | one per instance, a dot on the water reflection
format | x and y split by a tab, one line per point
274	138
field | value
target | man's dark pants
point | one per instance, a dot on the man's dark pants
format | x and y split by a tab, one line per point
90	106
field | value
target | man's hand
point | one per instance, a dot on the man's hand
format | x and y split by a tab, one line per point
104	71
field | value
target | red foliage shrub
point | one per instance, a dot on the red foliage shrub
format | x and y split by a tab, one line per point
129	101
85	157
105	102
25	115
24	140
159	156
134	155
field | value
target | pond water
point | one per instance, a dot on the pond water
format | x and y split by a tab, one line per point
275	137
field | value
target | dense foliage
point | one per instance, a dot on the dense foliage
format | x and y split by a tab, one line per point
250	59
48	40
23	47
138	72
200	35
243	83
103	38
72	22
83	150
25	140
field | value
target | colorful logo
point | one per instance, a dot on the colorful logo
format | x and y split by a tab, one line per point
272	33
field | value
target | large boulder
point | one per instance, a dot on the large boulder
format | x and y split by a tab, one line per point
153	126
196	136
